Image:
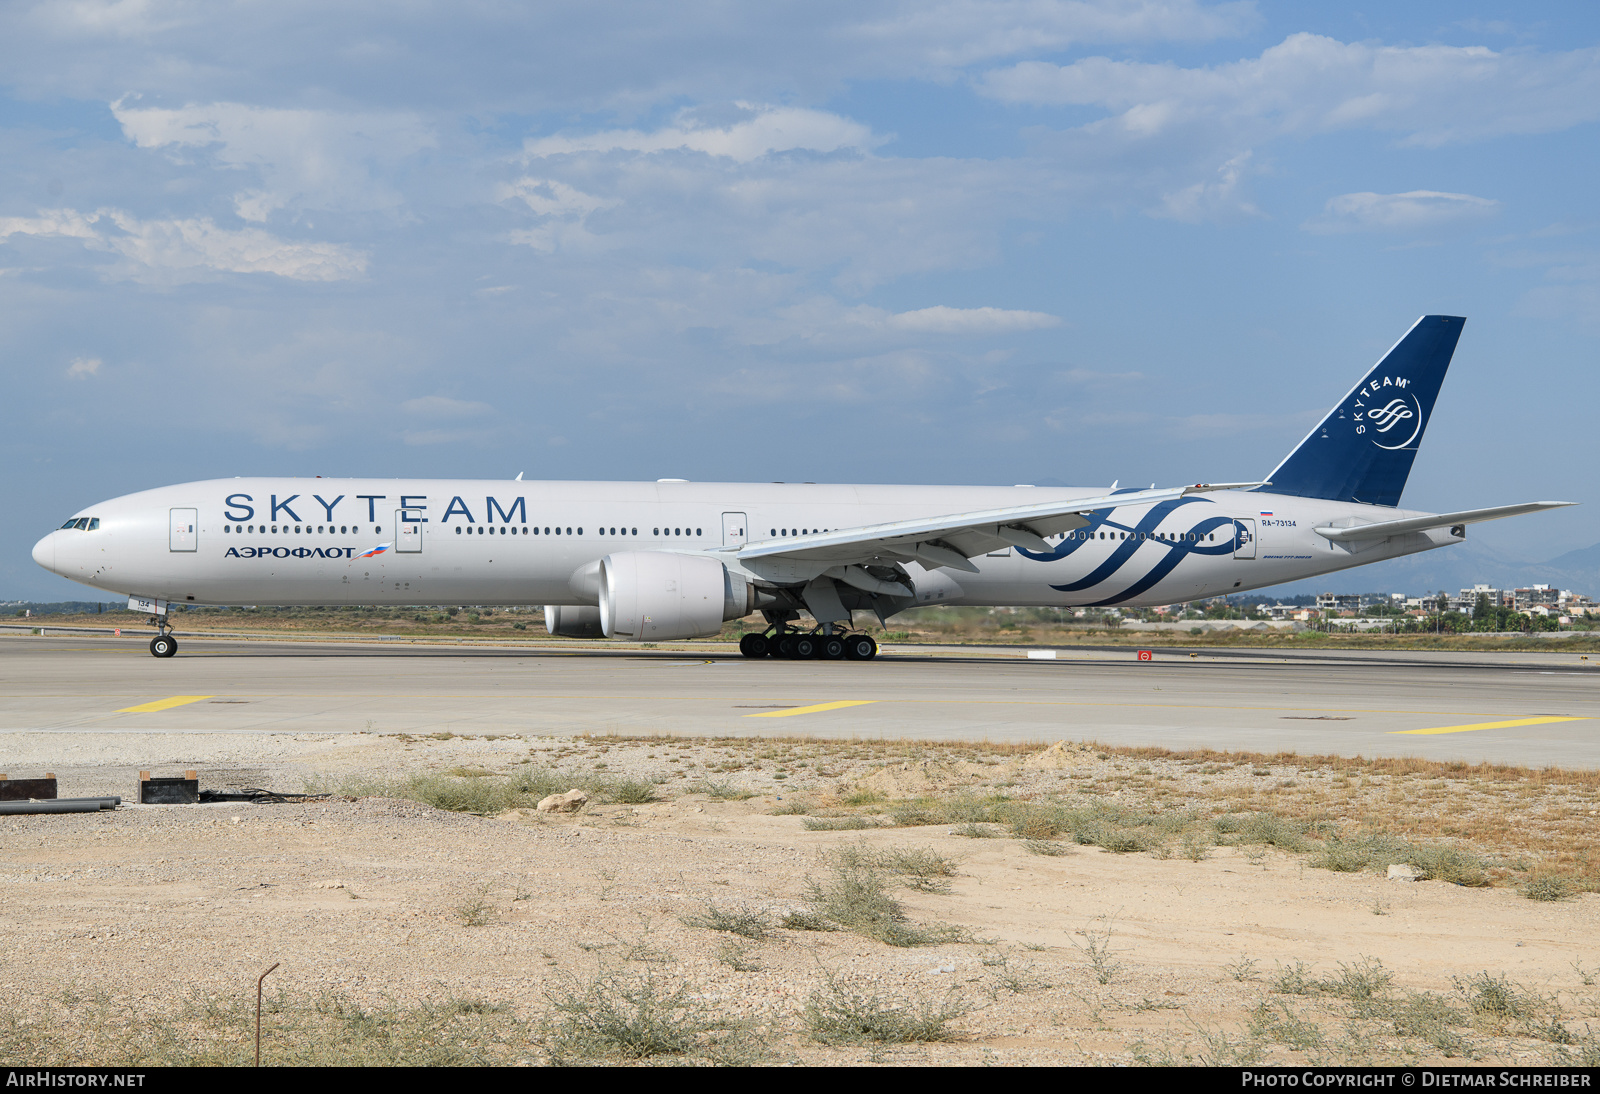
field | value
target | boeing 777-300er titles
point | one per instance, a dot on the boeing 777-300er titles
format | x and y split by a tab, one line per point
675	559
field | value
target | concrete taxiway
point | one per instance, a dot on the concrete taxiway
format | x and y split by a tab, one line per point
1532	709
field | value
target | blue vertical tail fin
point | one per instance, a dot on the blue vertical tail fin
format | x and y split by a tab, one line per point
1363	450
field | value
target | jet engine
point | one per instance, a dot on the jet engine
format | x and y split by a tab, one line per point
571	621
648	595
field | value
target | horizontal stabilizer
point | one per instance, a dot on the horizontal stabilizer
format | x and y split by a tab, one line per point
1386	528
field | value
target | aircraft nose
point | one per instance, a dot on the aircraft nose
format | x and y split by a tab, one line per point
44	552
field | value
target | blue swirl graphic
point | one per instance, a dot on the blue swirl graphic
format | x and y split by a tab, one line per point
1175	551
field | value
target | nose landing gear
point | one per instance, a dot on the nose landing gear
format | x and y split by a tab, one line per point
163	644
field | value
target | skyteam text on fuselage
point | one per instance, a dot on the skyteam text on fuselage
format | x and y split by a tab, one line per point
675	559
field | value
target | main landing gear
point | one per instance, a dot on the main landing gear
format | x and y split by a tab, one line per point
163	644
817	645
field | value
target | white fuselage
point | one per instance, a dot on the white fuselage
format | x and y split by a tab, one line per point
471	541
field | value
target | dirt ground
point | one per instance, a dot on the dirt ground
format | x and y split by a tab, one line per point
1044	951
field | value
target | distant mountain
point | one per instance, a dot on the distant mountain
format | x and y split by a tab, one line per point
1576	570
1460	567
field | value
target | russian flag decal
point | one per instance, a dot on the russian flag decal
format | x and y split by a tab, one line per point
378	550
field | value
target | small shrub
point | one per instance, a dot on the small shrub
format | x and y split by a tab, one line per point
744	921
1495	997
1276	1022
1096	949
1263	828
806	919
837	824
1243	969
1294	980
633	1017
737	957
721	791
840	1015
633	791
1548	887
856	898
476	912
1045	847
1366	979
976	831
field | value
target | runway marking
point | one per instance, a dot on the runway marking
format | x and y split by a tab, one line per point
1493	725
164	704
812	709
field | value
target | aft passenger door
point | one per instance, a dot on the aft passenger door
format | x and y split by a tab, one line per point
407	534
735	533
184	533
1244	538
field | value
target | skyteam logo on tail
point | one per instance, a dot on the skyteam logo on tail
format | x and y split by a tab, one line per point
1402	409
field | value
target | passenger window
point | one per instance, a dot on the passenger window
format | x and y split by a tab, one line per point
697	532
636	531
580	530
458	529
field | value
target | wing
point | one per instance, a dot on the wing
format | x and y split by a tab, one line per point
952	539
1386	528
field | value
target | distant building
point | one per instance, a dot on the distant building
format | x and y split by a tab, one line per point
1536	596
1467	602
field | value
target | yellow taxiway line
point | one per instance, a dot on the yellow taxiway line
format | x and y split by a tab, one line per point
812	709
164	704
1492	725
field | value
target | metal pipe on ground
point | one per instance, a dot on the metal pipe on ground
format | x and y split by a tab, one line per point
59	805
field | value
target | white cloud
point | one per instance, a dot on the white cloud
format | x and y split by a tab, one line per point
184	249
312	158
83	367
769	129
561	210
1309	83
940	319
557	55
962	32
1212	199
1410	211
67	223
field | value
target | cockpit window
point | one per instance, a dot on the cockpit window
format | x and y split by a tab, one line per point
94	523
73	523
82	523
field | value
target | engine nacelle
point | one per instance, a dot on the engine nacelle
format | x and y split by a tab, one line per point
572	621
648	595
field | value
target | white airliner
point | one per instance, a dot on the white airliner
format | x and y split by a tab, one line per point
675	559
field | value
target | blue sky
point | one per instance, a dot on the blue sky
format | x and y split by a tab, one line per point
967	242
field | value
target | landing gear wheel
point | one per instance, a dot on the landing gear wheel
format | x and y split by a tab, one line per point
753	645
832	648
860	647
163	646
782	646
806	647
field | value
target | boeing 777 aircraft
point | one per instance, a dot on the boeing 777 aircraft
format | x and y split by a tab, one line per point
675	559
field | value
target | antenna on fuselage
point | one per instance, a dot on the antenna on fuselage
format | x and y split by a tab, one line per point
519	476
